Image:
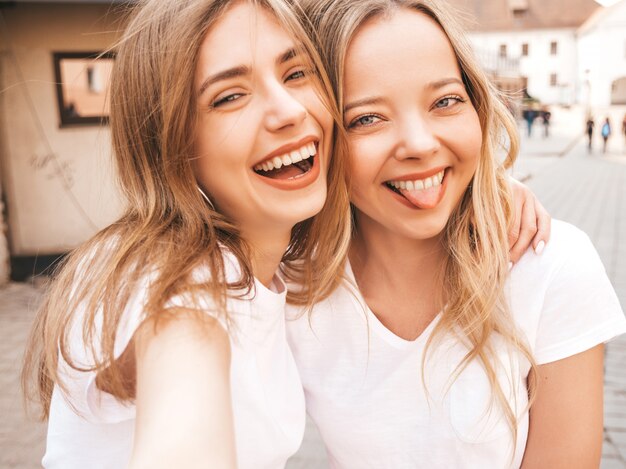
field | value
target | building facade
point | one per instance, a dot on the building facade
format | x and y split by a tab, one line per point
602	58
55	164
541	35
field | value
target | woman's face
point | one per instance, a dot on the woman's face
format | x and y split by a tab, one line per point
263	135
413	133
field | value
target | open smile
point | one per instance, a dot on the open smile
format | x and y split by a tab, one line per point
420	191
291	168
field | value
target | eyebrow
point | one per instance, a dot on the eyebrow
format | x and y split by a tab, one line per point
435	85
243	70
363	102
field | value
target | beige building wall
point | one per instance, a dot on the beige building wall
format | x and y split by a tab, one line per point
58	182
4	247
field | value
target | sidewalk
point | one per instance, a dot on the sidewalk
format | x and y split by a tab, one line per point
590	192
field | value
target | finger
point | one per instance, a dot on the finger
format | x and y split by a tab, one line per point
518	204
527	232
544	227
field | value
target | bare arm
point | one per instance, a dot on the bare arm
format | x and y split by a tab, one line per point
566	417
184	414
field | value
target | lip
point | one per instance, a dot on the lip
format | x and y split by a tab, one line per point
400	198
297	182
416	176
288	148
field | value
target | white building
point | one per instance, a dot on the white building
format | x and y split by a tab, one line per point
540	34
602	57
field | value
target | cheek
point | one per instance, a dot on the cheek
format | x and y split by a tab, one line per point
468	141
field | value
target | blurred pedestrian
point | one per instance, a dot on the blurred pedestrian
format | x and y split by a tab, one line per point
606	133
590	124
529	117
624	130
545	117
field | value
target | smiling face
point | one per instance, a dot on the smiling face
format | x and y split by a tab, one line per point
414	136
263	134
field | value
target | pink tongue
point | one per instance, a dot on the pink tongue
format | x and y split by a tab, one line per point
426	198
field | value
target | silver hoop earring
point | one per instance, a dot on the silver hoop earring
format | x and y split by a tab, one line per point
206	197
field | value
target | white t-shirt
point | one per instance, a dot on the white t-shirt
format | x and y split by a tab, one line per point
364	388
267	396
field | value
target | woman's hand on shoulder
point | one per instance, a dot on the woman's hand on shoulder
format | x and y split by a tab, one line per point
531	222
184	413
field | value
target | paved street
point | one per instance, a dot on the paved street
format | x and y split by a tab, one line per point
586	190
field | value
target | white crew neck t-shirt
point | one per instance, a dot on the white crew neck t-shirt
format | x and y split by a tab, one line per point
364	388
267	396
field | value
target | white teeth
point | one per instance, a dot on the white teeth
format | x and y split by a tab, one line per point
419	184
304	153
295	156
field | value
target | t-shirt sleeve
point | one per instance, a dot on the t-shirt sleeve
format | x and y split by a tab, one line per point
581	308
88	400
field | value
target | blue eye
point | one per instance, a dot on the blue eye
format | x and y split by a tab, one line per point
364	121
448	101
296	75
226	99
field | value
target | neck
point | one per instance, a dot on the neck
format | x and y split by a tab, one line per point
267	252
381	258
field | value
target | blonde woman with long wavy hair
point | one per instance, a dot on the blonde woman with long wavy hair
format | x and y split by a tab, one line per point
162	342
433	353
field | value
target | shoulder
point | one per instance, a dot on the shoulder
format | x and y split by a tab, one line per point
569	247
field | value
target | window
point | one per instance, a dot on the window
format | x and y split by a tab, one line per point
525	50
502	50
553	79
82	86
554	48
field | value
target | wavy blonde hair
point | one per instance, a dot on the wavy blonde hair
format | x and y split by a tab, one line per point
167	229
475	237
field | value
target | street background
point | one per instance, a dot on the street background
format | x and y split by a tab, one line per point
588	190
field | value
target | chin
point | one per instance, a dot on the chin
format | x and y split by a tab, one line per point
299	210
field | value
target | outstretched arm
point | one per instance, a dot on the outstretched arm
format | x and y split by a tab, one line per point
184	412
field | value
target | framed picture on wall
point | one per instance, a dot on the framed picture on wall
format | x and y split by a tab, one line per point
82	82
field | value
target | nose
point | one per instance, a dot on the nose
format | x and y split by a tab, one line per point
416	139
283	110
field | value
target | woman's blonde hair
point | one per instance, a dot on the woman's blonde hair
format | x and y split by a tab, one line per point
168	230
475	237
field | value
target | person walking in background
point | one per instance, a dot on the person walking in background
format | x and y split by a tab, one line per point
545	117
590	124
624	130
606	133
529	116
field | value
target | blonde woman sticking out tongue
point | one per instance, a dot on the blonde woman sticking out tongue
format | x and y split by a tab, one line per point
432	353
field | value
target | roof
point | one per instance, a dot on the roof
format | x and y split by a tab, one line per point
617	11
493	15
